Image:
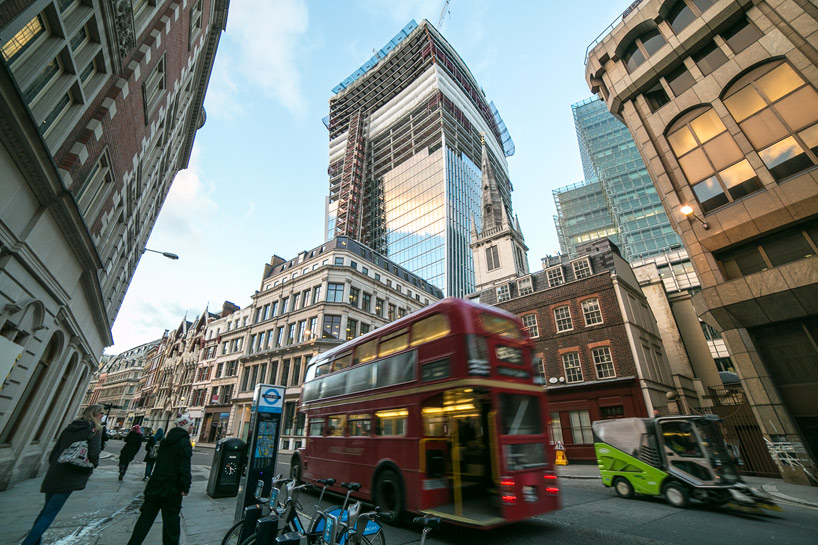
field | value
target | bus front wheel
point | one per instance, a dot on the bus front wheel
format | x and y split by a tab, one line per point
389	495
295	469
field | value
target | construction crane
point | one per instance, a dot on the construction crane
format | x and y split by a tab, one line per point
443	14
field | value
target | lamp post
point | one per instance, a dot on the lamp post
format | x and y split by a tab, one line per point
687	210
169	255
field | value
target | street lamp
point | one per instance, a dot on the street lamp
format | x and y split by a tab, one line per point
687	210
169	255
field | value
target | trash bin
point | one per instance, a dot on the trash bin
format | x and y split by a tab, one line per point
226	468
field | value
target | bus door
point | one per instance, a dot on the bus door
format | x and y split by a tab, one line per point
456	456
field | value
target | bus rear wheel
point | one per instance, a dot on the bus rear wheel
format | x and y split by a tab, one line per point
623	487
389	496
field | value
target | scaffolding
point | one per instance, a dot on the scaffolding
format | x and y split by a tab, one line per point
348	219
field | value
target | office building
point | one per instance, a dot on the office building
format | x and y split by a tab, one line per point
405	154
721	99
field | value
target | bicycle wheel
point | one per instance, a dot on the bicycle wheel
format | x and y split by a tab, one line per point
374	539
232	535
250	540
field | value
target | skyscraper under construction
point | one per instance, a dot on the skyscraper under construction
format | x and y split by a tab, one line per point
405	154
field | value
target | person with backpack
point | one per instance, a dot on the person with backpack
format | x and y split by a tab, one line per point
132	443
168	484
152	452
70	464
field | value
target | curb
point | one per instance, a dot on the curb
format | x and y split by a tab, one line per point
773	491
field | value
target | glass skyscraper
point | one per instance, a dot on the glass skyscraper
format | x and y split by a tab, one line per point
617	198
404	157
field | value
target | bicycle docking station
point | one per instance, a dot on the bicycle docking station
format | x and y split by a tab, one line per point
262	449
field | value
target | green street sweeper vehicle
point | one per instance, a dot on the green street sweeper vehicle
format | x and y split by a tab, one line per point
677	457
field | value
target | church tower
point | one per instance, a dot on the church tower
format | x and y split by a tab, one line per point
499	250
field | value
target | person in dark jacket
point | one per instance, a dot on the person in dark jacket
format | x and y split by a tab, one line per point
62	479
149	459
169	482
133	441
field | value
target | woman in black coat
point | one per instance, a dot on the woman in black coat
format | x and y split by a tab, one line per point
62	479
132	443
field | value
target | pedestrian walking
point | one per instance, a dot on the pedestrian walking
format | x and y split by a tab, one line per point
63	478
133	441
167	485
152	451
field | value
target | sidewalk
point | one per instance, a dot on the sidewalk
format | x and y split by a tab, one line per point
780	490
105	512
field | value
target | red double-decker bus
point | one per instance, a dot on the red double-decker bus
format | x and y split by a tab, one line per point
440	412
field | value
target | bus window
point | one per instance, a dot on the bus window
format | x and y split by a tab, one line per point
520	414
434	327
509	354
360	425
336	425
323	369
366	352
397	369
316	427
342	362
435	370
360	378
394	342
311	390
435	425
333	385
498	325
391	422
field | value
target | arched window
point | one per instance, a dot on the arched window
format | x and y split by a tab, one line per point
685	12
711	161
778	113
30	394
642	47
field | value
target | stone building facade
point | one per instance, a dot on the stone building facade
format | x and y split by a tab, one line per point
720	97
100	101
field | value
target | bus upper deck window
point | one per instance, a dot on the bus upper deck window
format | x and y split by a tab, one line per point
394	342
366	352
322	369
498	325
342	362
434	327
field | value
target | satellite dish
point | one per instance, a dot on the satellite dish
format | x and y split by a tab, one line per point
553	380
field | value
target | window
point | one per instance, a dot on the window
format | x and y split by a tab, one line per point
554	276
709	58
352	328
290	333
354	295
273	308
316	427
741	35
390	314
252	344
285	371
643	47
503	293
530	324
562	318
379	307
96	189
195	20
556	428
296	377
279	336
710	159
429	329
492	258
339	260
778	113
591	312
154	87
394	342
316	294
524	286
573	369
295	300
603	362
364	328
391	422
336	425
332	327
680	80
366	302
335	293
581	427
680	17
770	251
353	265
365	271
24	39
656	96
284	305
360	425
582	268
302	326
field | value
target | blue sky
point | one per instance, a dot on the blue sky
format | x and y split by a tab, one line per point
257	177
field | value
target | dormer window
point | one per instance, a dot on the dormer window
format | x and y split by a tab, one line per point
524	286
503	293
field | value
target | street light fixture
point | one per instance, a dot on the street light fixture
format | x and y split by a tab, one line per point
169	255
687	210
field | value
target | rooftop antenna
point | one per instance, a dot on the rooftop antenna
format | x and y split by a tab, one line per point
443	13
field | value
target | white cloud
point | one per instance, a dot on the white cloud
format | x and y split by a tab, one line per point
268	34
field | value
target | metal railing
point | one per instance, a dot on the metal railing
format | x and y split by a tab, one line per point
610	27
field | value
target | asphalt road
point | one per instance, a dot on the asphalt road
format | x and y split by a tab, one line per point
592	513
